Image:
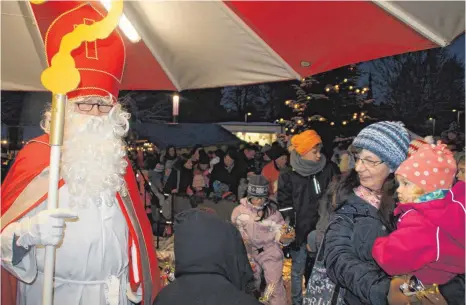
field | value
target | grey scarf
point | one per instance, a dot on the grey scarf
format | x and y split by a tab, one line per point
306	167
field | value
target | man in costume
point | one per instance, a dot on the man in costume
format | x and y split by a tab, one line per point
103	239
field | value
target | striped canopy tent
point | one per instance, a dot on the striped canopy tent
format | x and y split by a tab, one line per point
178	45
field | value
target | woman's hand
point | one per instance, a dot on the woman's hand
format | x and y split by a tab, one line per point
395	295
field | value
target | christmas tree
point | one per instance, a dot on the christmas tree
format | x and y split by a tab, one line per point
332	103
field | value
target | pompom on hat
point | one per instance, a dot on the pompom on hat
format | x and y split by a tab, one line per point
416	144
388	140
432	167
302	143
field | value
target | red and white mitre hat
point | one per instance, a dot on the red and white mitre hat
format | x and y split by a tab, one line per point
100	63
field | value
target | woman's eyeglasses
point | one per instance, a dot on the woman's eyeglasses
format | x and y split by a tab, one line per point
367	163
85	107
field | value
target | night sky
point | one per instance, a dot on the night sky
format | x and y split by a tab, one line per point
457	48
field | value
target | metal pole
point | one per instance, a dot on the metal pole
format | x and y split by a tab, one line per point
56	141
246	118
433	127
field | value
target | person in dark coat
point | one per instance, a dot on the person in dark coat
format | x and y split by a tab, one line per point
211	263
300	189
365	203
245	163
181	177
227	172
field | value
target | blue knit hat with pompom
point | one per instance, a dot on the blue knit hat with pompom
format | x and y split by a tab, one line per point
388	140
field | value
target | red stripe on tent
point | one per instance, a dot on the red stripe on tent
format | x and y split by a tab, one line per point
317	32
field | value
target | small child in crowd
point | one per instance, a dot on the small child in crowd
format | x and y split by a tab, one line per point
429	241
264	232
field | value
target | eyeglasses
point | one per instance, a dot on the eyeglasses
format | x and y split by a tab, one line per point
85	107
367	163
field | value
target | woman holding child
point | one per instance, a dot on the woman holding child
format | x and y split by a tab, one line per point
365	202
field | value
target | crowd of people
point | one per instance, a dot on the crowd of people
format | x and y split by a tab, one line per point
293	199
380	222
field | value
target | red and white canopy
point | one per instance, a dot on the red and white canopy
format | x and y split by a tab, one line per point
200	44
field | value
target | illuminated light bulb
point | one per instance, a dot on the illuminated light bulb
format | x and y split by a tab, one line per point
362	113
125	25
300	122
332	123
321	119
296	106
337	87
345	80
281	120
292	130
357	90
303	79
327	89
308	98
366	89
430	119
344	122
454	110
351	87
287	102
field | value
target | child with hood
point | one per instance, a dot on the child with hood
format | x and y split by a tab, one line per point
264	232
429	241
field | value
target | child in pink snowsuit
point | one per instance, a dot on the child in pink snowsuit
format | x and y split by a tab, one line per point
264	231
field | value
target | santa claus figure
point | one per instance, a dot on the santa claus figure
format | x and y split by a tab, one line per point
103	239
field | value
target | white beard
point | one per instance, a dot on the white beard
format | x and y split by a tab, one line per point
93	163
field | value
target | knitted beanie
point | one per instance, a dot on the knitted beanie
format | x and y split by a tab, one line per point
432	167
388	140
258	186
305	141
276	152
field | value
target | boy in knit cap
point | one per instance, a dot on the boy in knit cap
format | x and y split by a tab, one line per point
430	237
299	191
264	232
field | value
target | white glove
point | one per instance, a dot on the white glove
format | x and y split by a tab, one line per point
45	228
134	297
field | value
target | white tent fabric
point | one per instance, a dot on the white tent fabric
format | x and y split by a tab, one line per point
200	44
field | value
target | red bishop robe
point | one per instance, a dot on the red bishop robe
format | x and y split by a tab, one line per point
29	163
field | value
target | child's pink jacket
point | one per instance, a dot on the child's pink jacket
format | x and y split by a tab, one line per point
429	241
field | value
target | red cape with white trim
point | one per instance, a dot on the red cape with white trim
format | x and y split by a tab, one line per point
30	162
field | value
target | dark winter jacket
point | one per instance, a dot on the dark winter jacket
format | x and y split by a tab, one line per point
348	252
212	266
453	291
220	173
300	193
185	176
244	165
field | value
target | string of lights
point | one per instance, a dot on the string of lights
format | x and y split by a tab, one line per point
304	98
